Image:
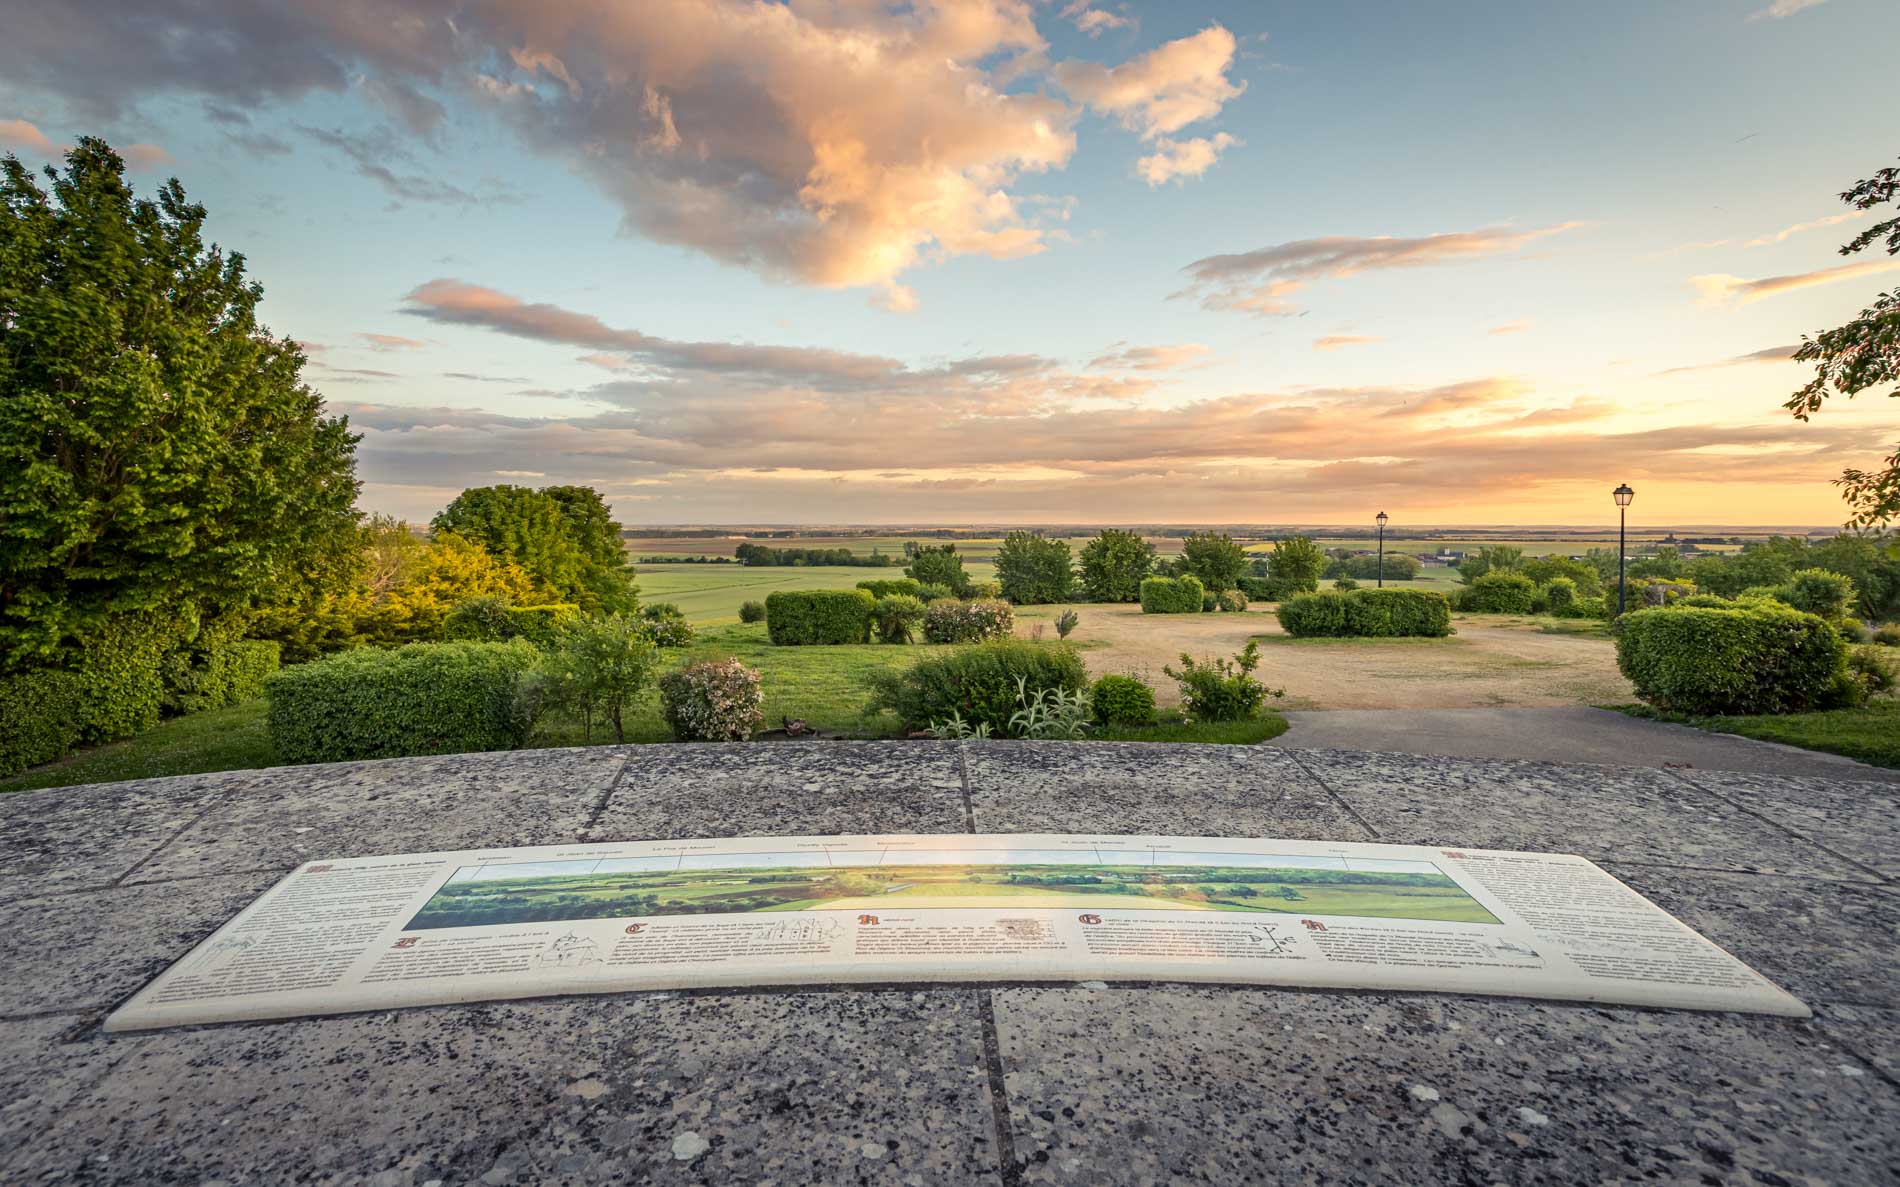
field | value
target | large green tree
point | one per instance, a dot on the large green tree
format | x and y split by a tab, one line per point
1863	354
1035	570
1215	558
1297	560
562	535
162	453
1113	565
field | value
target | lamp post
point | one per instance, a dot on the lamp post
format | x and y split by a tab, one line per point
1622	494
1381	519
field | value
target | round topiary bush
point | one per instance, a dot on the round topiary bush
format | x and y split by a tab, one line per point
1122	700
1500	593
1759	658
1231	600
752	612
712	701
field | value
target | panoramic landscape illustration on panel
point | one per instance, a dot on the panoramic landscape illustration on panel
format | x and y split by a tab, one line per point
483	895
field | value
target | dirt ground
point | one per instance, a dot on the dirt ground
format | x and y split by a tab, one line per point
1492	661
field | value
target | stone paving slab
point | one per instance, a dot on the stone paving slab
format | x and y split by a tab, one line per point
91	949
280	818
785	788
972	1084
1217	791
1821	941
1603	813
1857	820
63	838
794	1088
1178	1085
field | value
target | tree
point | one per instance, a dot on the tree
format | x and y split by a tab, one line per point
1034	570
605	573
162	450
1862	354
1498	558
561	535
1215	559
600	668
938	564
1113	565
1297	560
448	570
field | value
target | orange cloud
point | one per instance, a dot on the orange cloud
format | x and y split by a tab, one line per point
1717	289
1176	159
21	134
1335	341
1163	90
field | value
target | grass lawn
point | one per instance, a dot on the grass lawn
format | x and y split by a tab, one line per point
709	595
1870	734
229	739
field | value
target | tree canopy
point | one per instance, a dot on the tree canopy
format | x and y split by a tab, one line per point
1113	565
1035	570
162	452
1215	558
1863	354
562	536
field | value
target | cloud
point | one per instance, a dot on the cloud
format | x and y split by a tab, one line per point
1336	341
18	134
1162	91
1772	354
521	473
470	375
1259	281
1176	159
1094	21
1519	326
1151	358
1785	232
145	156
390	342
1719	289
372	153
1782	9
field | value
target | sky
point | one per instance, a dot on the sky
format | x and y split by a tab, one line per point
1004	261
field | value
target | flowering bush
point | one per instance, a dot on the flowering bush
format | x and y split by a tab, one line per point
713	701
666	626
950	621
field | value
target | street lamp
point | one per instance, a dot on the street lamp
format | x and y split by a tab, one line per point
1622	494
1381	519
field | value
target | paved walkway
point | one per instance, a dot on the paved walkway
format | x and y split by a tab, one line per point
102	887
1573	734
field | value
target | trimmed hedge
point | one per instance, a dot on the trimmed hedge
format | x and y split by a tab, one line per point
425	698
228	673
797	618
1500	593
1122	700
45	712
1172	595
1756	659
950	621
890	586
977	683
1367	613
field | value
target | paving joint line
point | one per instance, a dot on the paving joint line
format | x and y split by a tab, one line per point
1670	865
1337	798
168	842
1009	1169
963	775
600	807
1776	824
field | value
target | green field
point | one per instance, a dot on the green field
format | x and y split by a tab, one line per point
481	900
709	595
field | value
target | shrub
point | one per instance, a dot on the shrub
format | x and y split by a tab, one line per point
898	618
1066	622
1231	600
122	673
1034	570
713	701
1560	593
542	625
599	667
1345	584
1213	557
1171	595
665	625
1754	659
1500	593
797	618
1221	689
928	593
886	586
977	684
1209	602
44	711
425	698
1367	613
1297	561
752	611
1703	601
1590	607
1876	674
984	589
487	618
1113	565
950	621
1122	700
1399	566
1817	591
938	564
1889	635
226	673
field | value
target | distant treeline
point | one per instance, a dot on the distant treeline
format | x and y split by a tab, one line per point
683	559
759	554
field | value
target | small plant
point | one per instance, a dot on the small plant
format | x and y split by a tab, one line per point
666	626
1122	700
752	612
958	730
1345	584
1222	689
712	701
1050	713
1066	623
1873	671
897	618
1231	600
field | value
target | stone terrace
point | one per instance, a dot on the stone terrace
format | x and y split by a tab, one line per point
932	1084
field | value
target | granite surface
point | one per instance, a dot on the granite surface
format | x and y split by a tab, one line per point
1090	1084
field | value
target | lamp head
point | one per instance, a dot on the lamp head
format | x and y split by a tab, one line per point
1623	494
1381	518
